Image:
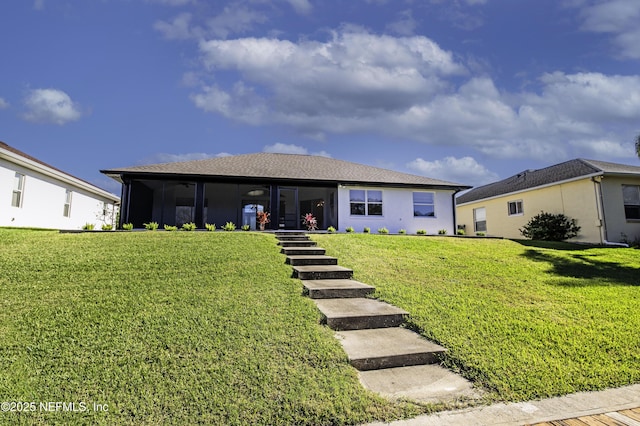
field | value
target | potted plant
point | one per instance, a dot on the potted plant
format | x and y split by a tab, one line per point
262	218
310	222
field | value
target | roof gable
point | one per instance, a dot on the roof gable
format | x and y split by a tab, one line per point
569	170
292	167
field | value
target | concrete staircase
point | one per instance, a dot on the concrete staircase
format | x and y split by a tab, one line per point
370	330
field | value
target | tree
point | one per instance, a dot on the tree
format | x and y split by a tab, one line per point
638	145
550	227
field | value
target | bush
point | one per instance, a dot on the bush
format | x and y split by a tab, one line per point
190	226
442	232
246	227
421	232
151	226
170	228
460	232
88	226
481	234
331	229
383	231
402	231
210	226
127	226
229	226
349	229
550	227
107	227
366	230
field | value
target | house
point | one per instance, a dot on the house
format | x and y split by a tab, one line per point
603	197
36	195
233	189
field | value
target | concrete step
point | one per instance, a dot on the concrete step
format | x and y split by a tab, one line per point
378	348
280	233
332	289
425	383
302	251
359	313
322	272
292	238
311	260
297	243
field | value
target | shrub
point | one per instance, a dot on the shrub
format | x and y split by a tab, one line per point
383	230
350	229
210	226
190	226
460	232
245	227
481	234
402	231
151	226
88	226
127	226
442	232
331	229
550	227
107	227
366	230
170	228
229	226
421	232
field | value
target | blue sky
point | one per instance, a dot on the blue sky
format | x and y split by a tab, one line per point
468	91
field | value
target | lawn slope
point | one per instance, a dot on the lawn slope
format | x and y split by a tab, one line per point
524	321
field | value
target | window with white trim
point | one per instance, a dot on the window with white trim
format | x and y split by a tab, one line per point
515	208
67	204
18	190
365	202
424	204
631	198
480	219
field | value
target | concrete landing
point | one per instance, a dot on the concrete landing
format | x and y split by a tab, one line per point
425	383
359	313
322	272
331	289
302	260
374	349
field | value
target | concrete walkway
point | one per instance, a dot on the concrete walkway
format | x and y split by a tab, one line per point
574	406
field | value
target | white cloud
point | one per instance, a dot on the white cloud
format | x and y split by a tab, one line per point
3	104
178	28
600	148
405	24
50	106
618	18
302	7
281	148
464	170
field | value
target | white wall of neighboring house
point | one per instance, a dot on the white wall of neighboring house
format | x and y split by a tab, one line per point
398	211
44	195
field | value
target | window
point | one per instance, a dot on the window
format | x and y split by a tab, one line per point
631	197
423	204
480	220
365	202
18	189
515	208
67	204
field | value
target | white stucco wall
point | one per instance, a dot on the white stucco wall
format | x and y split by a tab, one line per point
43	200
397	211
618	227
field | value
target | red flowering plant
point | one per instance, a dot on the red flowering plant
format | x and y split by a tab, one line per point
310	222
262	217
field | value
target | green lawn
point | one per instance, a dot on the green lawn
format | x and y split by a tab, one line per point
523	320
168	328
186	328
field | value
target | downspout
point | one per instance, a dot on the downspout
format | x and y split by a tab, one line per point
455	219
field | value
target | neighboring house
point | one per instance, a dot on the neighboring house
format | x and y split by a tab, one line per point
287	186
34	194
603	197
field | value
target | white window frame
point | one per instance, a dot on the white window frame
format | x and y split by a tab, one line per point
632	204
66	211
423	203
518	211
18	190
476	221
366	202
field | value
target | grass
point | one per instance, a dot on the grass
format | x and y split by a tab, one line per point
523	320
169	328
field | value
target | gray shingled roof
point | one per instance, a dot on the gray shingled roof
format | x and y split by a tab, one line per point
557	173
284	167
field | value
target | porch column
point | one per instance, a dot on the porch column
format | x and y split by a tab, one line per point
275	206
199	213
124	202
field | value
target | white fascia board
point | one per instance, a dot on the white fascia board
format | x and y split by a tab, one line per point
560	182
58	175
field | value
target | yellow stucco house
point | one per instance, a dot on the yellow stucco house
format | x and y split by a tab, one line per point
603	197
